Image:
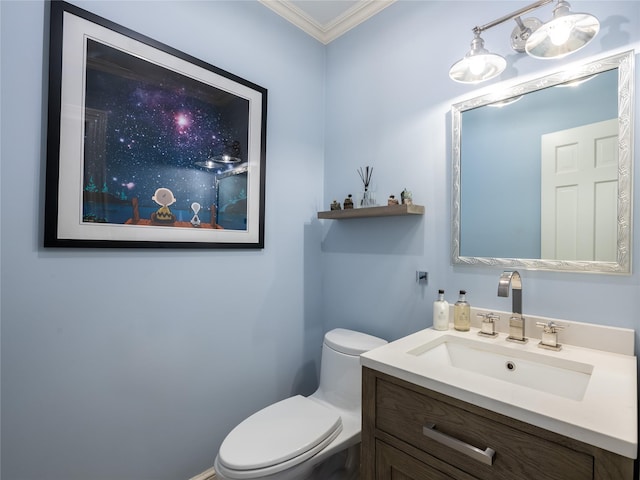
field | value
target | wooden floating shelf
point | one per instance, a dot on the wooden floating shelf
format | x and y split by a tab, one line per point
385	211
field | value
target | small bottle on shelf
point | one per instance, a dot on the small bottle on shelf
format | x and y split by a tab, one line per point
462	313
440	312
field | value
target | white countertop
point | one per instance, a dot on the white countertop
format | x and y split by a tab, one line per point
605	417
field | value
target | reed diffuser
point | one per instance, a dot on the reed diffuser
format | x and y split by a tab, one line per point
367	200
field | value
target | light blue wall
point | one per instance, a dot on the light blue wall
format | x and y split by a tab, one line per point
388	104
108	373
100	380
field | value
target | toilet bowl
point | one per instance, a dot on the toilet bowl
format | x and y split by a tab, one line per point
293	438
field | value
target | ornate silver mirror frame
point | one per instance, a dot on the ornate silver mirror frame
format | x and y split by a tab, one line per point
624	62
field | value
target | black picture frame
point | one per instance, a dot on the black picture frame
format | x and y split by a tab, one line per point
139	134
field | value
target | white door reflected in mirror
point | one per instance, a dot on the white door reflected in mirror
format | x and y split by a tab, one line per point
579	193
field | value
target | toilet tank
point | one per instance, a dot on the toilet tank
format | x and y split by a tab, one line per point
340	370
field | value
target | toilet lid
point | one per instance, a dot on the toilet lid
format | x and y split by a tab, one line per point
350	342
278	433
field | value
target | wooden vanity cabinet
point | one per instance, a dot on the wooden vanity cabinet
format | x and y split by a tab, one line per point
395	446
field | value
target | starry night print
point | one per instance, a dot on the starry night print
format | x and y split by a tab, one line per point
148	127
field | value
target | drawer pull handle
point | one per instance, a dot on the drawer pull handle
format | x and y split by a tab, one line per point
483	456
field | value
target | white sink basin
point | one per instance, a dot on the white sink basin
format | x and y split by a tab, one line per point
557	376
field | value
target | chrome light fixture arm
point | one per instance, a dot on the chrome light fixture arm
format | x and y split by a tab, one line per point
513	15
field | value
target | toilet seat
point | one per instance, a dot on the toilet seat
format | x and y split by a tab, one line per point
283	434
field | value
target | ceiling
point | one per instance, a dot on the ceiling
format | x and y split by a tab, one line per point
326	20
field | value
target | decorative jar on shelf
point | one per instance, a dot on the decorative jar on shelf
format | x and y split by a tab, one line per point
367	198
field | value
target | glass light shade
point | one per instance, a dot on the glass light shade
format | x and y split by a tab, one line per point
564	34
477	65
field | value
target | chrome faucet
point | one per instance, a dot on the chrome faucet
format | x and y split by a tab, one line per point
516	322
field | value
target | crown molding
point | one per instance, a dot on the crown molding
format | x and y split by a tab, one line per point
329	31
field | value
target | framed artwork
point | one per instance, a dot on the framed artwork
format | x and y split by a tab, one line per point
148	146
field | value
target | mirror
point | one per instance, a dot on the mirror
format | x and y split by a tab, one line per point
542	172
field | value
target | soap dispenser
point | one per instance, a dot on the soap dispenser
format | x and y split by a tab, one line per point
462	313
441	312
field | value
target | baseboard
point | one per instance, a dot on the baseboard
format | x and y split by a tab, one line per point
209	474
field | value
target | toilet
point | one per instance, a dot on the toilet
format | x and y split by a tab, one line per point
300	438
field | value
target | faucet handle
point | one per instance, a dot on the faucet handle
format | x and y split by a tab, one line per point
550	327
550	335
488	325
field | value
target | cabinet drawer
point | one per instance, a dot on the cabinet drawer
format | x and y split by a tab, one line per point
393	464
404	413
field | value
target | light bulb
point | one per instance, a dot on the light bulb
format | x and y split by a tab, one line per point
559	32
477	64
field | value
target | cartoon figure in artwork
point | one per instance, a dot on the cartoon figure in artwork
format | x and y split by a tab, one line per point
195	221
163	216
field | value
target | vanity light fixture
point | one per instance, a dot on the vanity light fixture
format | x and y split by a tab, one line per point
566	33
478	64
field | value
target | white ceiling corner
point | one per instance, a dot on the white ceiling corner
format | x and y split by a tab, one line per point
326	20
